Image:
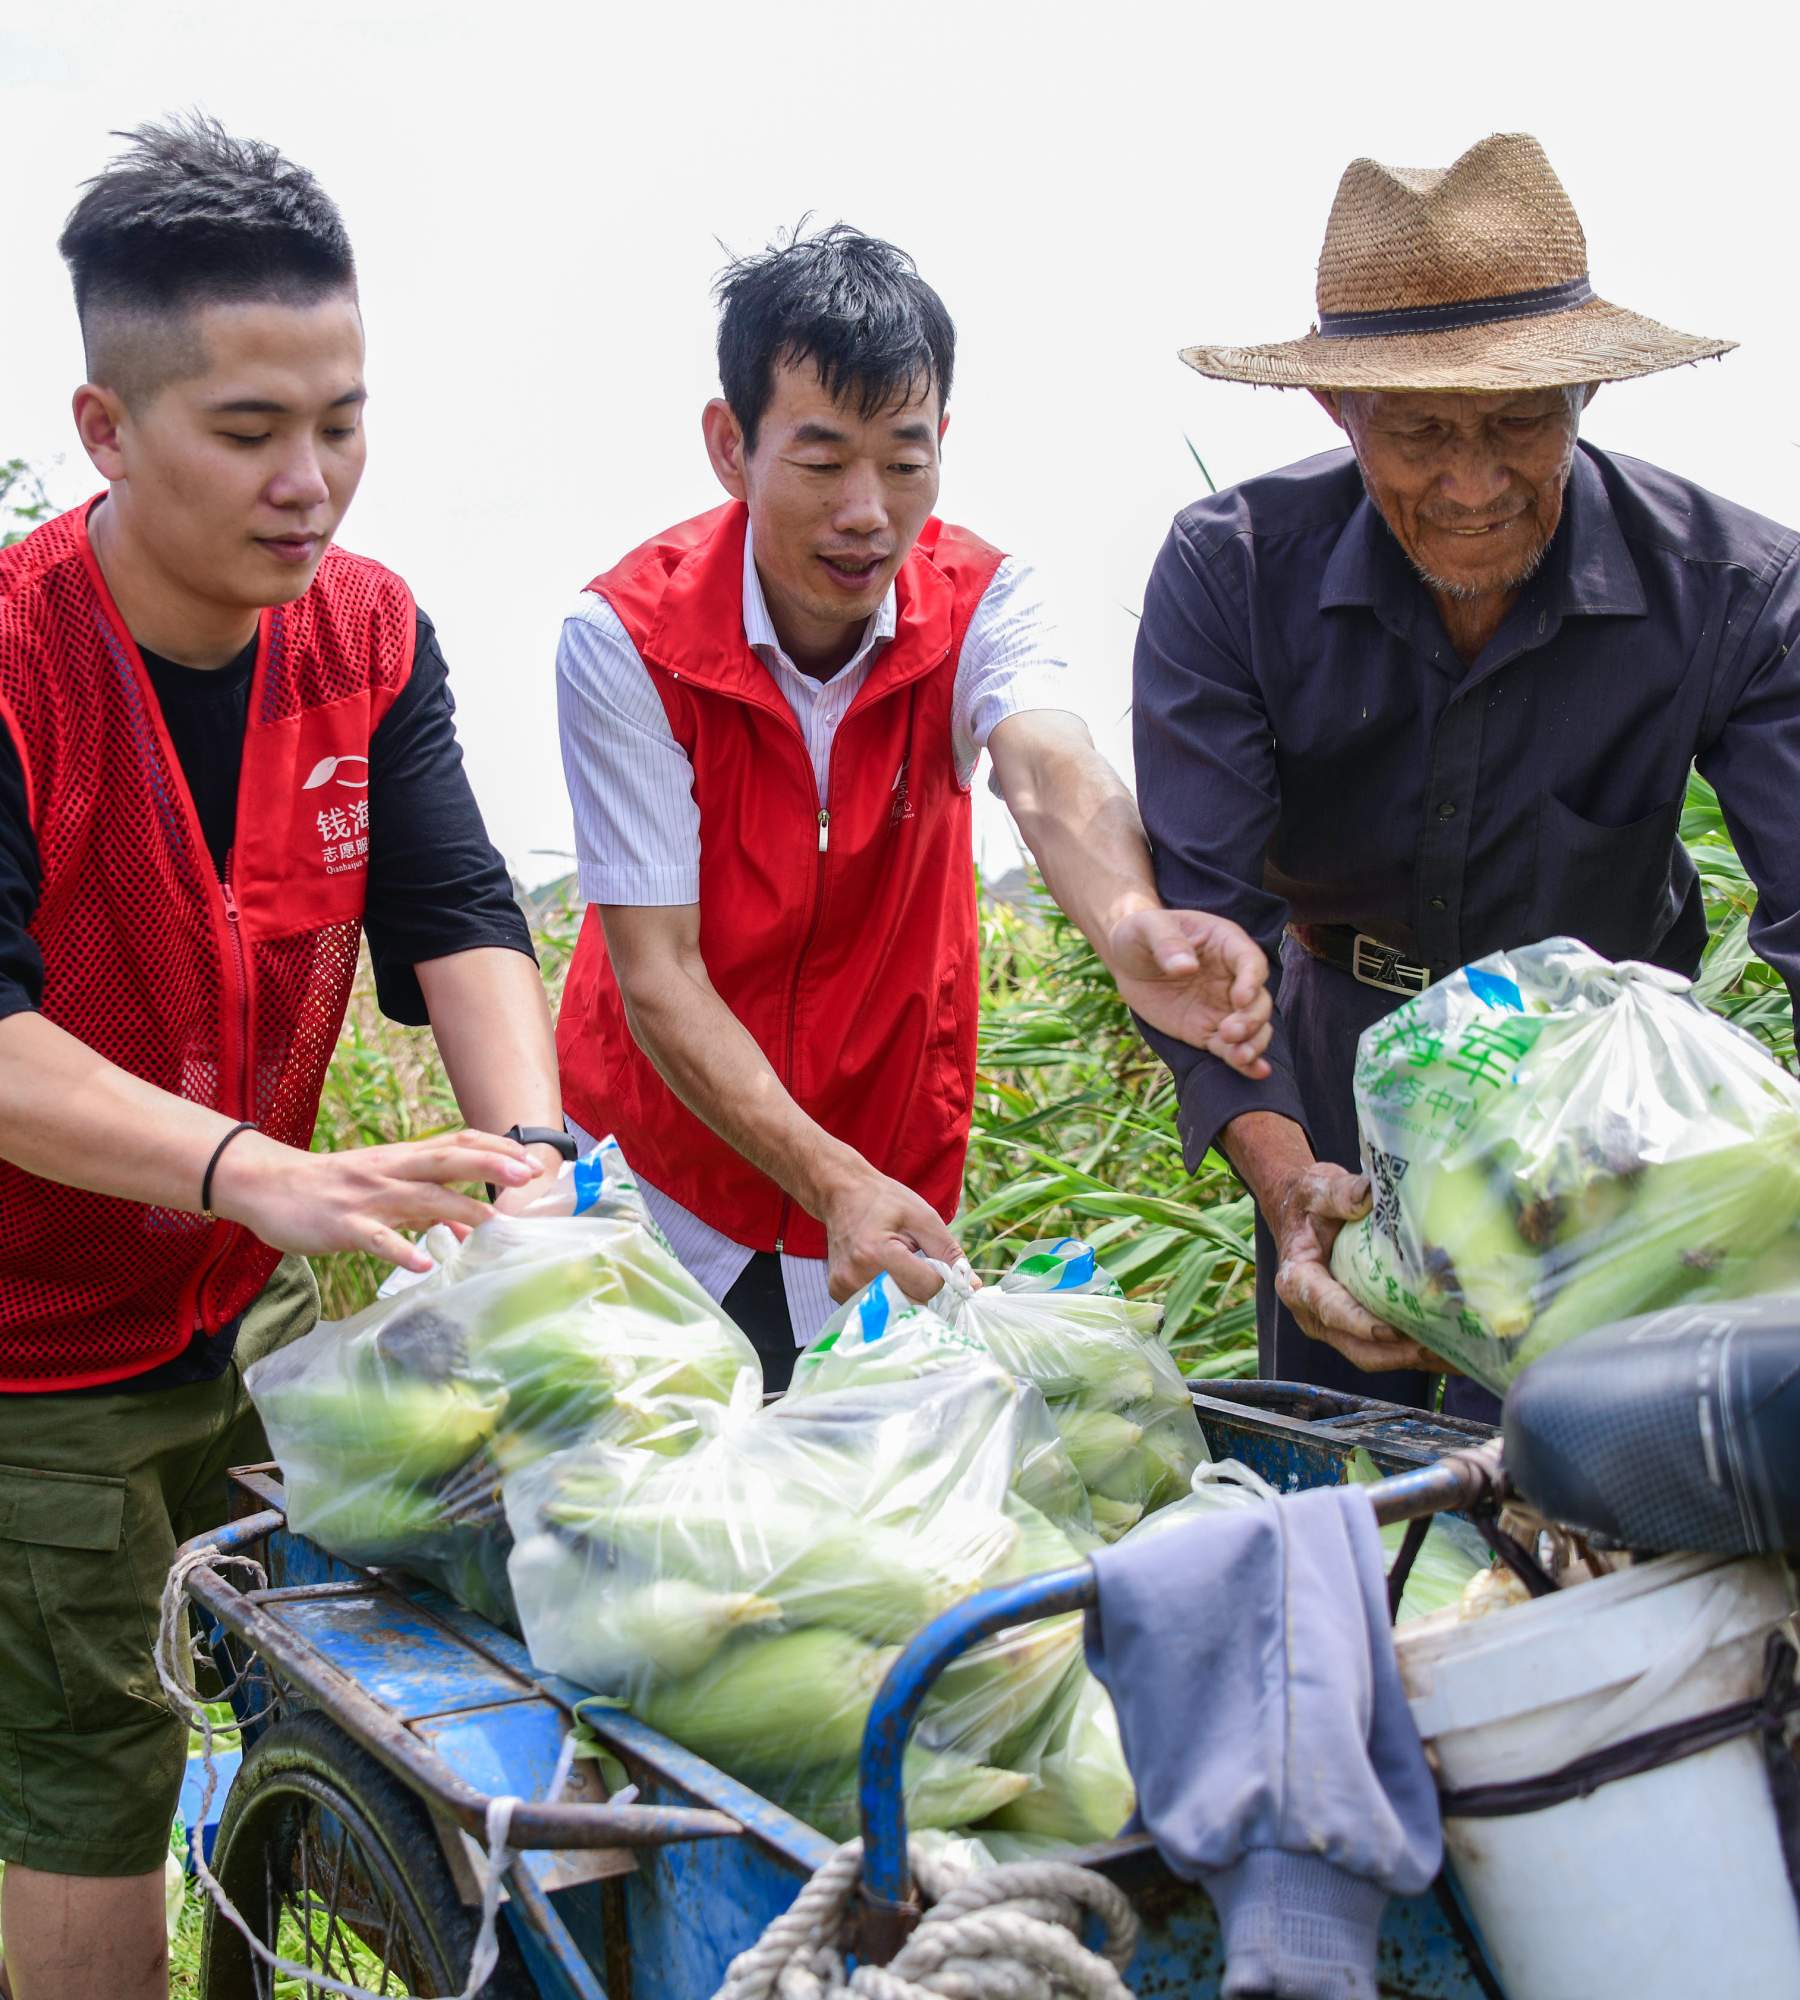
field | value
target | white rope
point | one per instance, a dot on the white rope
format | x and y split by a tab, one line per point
1006	1933
171	1670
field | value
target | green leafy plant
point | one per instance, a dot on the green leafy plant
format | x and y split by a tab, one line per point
1733	981
24	503
1074	1134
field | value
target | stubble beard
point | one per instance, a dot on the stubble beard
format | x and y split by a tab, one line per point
1471	593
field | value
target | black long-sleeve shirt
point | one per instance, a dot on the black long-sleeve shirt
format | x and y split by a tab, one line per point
435	884
1309	744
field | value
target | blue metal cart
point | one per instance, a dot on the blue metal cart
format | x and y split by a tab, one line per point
380	1719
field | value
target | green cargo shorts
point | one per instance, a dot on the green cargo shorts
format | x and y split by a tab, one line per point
96	1492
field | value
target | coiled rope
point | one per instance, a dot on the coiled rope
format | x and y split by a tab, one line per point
1006	1933
175	1647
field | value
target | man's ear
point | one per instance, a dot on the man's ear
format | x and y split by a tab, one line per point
1589	391
943	426
725	446
100	417
1327	400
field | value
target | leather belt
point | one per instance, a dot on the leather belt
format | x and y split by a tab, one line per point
1365	958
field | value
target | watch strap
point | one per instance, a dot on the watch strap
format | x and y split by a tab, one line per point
544	1135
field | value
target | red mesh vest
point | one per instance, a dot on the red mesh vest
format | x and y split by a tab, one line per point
847	949
232	997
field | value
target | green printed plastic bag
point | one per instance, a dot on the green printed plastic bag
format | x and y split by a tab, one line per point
1556	1143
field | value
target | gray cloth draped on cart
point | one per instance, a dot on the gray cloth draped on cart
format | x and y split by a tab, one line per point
1251	1661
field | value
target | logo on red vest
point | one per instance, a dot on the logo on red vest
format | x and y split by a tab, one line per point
340	769
903	805
343	829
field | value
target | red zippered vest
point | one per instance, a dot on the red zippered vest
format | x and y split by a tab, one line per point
229	995
846	945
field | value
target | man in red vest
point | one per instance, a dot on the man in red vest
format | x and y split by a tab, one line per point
226	747
771	719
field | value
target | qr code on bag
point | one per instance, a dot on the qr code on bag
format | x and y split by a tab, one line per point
1387	1171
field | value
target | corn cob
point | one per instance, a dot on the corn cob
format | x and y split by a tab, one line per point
397	1428
675	1626
1467	1221
1097	1439
1114	1517
1690	1215
1083	1791
990	1698
941	1790
772	1704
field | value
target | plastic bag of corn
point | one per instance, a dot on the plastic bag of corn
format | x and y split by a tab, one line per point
1059	1321
1556	1143
394	1428
748	1598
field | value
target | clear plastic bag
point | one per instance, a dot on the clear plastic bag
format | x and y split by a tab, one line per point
749	1598
394	1428
1058	1321
1082	1791
1556	1143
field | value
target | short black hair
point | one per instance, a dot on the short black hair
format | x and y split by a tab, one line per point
189	216
851	304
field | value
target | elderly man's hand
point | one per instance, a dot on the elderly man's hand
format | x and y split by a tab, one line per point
1305	1218
1199	978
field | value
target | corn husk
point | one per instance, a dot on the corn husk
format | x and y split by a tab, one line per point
1082	1791
941	1791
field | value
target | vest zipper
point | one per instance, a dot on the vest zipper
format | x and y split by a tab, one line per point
241	974
812	931
240	1095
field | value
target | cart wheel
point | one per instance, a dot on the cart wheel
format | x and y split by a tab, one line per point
324	1849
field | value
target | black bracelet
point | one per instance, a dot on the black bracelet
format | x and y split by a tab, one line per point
206	1180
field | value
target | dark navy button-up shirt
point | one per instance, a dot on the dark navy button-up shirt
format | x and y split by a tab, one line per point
1311	746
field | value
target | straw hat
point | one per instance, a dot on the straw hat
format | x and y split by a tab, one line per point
1472	277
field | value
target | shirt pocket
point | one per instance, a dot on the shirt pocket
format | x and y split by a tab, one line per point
74	1628
1610	886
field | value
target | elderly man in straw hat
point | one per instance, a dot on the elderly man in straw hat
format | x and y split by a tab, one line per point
1438	693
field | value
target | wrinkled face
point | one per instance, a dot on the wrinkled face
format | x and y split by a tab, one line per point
836	500
1471	486
233	476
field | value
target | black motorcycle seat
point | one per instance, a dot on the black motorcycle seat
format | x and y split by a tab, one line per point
1679	1430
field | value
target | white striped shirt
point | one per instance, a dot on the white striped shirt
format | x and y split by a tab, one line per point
637	826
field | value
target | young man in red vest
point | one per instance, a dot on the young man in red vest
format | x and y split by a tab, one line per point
225	748
771	719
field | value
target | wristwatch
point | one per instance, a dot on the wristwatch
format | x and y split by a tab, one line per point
538	1135
543	1135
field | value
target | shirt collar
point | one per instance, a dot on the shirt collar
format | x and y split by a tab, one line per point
759	627
1589	568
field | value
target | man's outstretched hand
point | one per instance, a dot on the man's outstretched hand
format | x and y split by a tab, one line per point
1197	977
364	1197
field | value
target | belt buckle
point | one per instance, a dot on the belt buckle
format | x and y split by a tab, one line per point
1378	964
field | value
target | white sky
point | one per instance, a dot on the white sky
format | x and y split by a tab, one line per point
535	195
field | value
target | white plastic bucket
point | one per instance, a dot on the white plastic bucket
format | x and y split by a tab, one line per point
1665	1886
